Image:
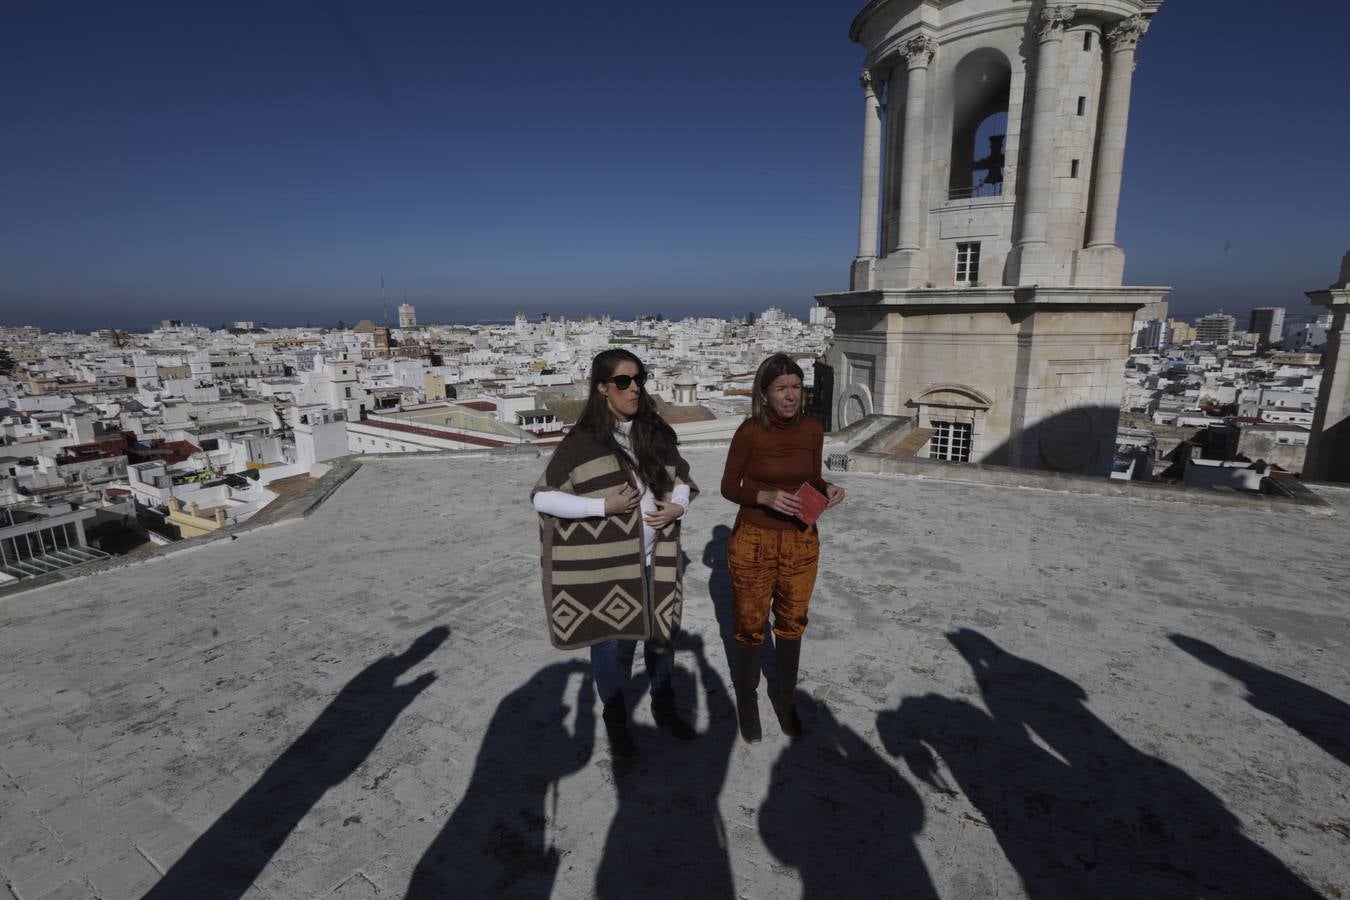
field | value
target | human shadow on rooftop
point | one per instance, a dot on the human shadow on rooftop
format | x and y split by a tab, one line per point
667	838
496	841
1319	717
228	857
836	811
841	815
1077	810
723	601
719	591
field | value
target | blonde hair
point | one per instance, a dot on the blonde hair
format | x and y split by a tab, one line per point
769	371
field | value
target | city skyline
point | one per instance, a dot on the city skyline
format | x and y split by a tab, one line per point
320	322
273	164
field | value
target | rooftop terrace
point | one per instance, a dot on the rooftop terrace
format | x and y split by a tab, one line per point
1009	692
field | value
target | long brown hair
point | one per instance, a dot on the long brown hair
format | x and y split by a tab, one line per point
653	440
769	371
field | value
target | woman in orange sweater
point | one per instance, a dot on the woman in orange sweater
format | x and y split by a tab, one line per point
772	554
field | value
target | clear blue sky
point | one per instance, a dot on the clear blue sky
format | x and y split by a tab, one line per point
270	160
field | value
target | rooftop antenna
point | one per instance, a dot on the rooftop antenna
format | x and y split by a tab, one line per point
383	302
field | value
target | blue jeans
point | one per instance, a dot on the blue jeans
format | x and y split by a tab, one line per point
612	662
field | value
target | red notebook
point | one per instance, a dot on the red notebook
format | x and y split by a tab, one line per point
813	503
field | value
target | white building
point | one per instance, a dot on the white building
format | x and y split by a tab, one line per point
1215	328
320	434
1306	335
1242	476
1267	323
1153	334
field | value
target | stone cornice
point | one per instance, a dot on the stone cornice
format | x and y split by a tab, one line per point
996	297
855	29
1329	297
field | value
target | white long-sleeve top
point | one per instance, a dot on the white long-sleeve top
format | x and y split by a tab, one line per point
570	506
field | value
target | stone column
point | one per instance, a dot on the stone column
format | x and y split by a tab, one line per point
1036	196
871	188
1110	162
918	54
1328	456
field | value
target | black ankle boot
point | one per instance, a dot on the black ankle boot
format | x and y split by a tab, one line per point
747	691
667	717
615	718
787	654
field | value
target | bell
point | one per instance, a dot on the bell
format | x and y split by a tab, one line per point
993	163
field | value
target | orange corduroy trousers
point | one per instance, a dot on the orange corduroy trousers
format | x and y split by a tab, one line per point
771	569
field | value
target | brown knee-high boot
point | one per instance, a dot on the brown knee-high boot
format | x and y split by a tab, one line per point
747	691
788	654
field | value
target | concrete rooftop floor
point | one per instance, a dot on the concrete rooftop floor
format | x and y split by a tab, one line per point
1009	693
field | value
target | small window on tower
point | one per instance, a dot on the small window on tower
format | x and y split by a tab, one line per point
967	263
1073	169
1087	40
1082	105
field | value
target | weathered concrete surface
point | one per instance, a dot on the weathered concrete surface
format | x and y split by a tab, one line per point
233	696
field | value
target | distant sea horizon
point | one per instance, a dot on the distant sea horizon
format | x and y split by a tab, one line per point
143	326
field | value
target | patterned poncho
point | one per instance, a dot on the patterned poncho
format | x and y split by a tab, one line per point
594	588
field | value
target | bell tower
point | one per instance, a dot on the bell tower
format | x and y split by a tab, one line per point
1329	444
986	300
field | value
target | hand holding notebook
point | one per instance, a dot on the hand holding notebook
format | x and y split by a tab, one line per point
813	503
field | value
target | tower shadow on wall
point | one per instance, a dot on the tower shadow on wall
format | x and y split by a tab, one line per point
667	838
496	840
1089	817
842	816
1319	717
1080	440
228	857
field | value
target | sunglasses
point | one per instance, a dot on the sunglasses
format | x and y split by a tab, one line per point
622	382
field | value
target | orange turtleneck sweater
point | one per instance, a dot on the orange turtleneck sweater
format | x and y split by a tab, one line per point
778	458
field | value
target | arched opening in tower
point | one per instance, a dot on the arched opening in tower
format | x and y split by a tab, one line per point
980	125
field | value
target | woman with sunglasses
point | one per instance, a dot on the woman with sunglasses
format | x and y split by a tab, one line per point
772	554
610	504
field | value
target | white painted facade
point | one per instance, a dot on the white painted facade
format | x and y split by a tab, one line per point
320	434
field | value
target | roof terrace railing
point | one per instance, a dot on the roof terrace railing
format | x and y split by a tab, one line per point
837	462
51	561
976	191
